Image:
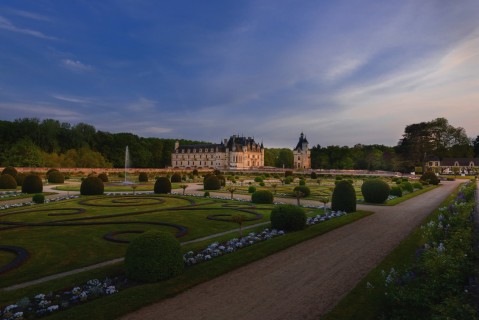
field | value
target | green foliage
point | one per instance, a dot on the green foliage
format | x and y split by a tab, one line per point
344	197
20	177
430	177
162	185
103	177
10	170
288	180
38	198
262	196
56	177
396	191
417	185
407	186
314	175
375	190
288	173
92	186
32	184
176	177
288	218
206	194
195	172
222	180
50	171
261	184
143	177
303	189
251	189
258	179
153	256
211	182
7	181
302	182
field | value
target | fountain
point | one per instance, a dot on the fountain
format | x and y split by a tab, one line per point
127	164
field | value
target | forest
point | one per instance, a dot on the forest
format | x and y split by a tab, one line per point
31	142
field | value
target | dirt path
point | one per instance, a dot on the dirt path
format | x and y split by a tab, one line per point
304	281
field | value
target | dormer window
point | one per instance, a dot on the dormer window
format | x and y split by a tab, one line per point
456	164
471	164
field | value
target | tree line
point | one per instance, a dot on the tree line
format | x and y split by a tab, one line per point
29	142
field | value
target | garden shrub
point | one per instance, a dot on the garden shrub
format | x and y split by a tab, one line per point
143	177
303	189
103	177
216	172
206	194
407	186
288	173
211	182
288	180
50	171
314	175
153	256
396	191
38	198
261	184
302	182
176	177
430	177
222	180
417	185
32	184
92	186
56	177
162	185
344	197
10	170
251	189
338	178
375	190
7	181
262	196
20	177
195	172
258	179
288	218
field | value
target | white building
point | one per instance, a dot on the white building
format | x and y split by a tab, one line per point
234	153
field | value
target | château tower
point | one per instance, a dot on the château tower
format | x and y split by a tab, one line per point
302	155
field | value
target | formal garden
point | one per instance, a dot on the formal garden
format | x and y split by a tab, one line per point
212	233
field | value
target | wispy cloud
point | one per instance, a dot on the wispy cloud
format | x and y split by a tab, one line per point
141	105
28	14
7	25
76	66
40	110
71	99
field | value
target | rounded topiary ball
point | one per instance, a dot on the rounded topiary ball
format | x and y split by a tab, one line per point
20	177
251	189
211	182
314	175
176	177
56	177
143	177
10	170
92	186
430	177
262	196
375	190
303	189
396	191
344	197
32	184
103	177
38	198
50	171
7	182
288	218
153	256
162	185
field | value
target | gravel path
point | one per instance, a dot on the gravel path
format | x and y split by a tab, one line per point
304	281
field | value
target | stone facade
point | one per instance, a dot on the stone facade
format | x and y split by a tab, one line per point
302	155
235	153
453	165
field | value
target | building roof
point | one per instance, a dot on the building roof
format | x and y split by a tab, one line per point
462	162
234	143
302	139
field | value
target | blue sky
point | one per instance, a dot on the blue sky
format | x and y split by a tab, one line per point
344	72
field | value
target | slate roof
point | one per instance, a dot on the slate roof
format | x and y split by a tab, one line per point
302	139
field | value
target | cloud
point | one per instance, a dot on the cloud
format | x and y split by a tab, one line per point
29	15
40	110
71	99
142	105
7	25
76	66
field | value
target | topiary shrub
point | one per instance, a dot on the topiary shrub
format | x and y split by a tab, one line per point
258	179
396	191
288	173
314	175
38	198
103	177
92	186
7	181
261	184
375	190
206	194
407	186
20	177
153	256
162	185
50	171
417	185
176	177
344	197
251	189
430	177
32	184
10	170
288	218
211	183
56	177
143	177
303	189
262	196
195	172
